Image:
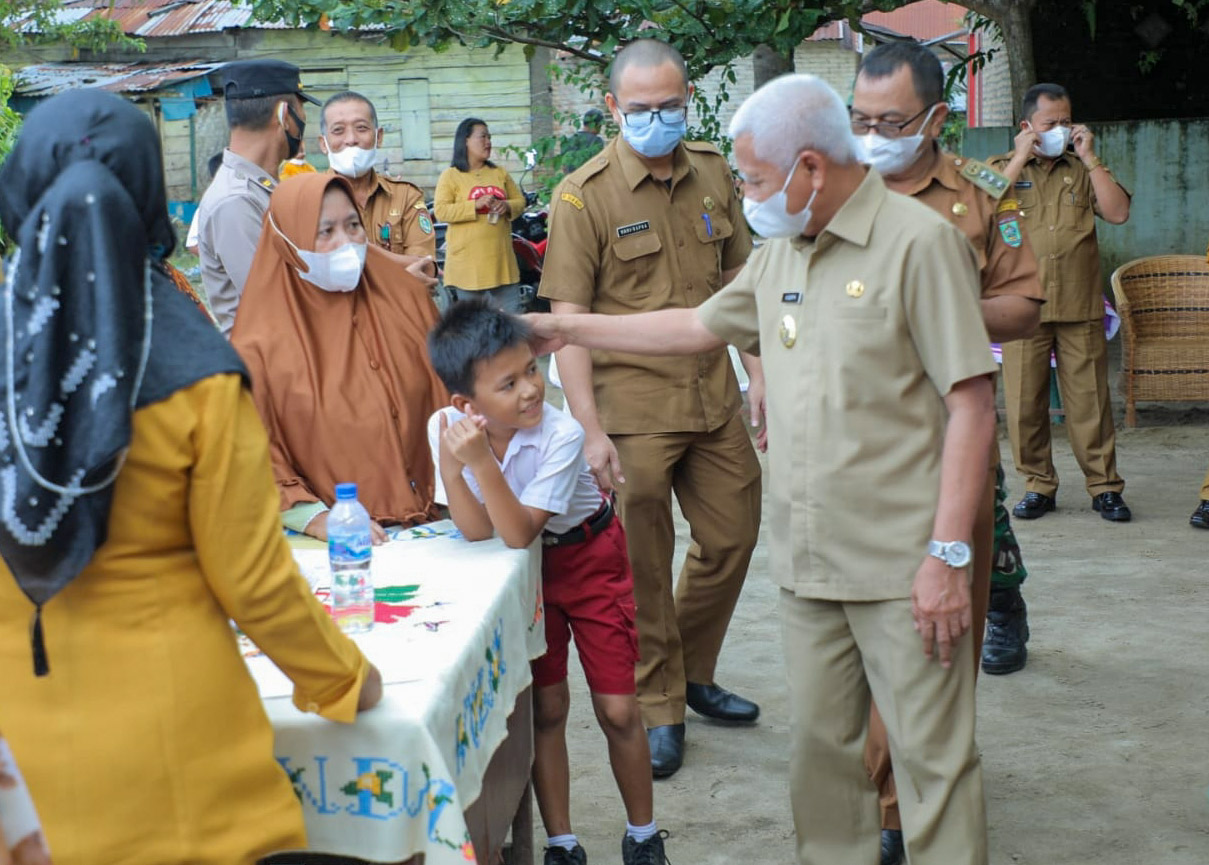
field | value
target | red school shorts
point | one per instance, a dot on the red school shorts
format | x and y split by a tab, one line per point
588	591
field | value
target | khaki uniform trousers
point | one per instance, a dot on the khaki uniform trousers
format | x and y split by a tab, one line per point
1082	353
877	747
1205	488
716	478
838	655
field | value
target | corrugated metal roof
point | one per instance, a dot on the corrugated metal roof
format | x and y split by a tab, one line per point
47	79
925	20
158	18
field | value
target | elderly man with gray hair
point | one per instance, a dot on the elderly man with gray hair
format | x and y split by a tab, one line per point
863	305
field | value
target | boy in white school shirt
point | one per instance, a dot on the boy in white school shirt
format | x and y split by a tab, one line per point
509	464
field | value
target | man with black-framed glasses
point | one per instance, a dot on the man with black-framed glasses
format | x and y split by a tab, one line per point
897	114
653	222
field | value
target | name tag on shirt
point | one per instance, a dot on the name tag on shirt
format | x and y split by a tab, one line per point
791	297
1024	184
633	228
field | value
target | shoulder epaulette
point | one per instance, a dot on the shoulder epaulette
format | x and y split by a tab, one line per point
990	181
702	147
589	169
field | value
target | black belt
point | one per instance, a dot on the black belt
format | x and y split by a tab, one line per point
588	529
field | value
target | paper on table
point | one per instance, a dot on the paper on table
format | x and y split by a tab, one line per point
416	623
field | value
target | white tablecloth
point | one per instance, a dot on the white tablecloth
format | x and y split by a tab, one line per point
456	625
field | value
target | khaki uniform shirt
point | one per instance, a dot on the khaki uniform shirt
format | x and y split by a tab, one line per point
1058	208
1005	259
862	332
397	219
623	242
229	221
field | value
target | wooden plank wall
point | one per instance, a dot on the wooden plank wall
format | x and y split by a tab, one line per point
462	82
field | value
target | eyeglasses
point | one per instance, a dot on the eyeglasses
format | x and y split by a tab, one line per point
884	128
667	116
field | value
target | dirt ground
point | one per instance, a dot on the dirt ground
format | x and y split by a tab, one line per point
1094	753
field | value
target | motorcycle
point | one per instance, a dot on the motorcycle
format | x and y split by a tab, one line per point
529	231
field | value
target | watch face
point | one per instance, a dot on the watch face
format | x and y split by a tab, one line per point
958	554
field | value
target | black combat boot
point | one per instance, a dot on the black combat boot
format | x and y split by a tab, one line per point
1003	650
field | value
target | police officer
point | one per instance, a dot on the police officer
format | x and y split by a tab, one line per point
897	114
1062	186
649	223
392	210
264	102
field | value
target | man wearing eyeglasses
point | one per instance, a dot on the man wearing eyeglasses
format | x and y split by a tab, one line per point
897	115
653	222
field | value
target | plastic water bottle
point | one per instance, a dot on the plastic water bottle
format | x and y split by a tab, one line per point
350	551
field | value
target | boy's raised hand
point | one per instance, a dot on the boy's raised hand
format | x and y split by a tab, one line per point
465	443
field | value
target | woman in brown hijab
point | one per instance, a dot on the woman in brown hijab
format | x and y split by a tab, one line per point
333	334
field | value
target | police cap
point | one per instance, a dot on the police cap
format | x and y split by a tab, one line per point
252	79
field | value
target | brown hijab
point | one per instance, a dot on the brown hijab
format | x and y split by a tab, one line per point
342	380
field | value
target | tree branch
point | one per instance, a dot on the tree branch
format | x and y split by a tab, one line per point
696	16
506	36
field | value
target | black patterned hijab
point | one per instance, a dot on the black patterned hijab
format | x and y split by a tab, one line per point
91	329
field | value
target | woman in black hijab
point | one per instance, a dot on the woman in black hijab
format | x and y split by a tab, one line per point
137	516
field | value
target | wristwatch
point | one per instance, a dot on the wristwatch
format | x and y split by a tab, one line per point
955	554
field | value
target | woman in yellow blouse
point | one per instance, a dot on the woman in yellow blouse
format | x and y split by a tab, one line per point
141	519
479	199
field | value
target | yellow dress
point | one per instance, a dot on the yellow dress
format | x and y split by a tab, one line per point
147	742
478	255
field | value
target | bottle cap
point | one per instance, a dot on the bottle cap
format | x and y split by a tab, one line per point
346	492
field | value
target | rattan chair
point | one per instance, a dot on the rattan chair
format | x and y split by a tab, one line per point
1163	301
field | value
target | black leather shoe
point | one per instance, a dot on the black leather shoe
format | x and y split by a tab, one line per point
667	749
562	856
720	704
1200	517
648	852
892	847
1033	505
1111	507
1004	650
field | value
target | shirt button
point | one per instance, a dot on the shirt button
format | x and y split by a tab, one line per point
680	243
1051	255
312	707
394	412
1051	228
354	319
373	364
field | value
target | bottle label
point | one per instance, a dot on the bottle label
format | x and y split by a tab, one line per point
351	549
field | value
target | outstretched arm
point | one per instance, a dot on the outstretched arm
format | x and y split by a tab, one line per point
665	332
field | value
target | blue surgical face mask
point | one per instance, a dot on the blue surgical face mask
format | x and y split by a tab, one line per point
656	138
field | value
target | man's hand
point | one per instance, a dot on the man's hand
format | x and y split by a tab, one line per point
425	270
317	529
465	442
940	604
601	454
1084	140
758	408
546	336
1026	143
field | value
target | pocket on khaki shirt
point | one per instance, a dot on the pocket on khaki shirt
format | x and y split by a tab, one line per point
639	257
867	313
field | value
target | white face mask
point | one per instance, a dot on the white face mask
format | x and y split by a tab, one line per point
892	156
1053	142
336	271
771	218
352	161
